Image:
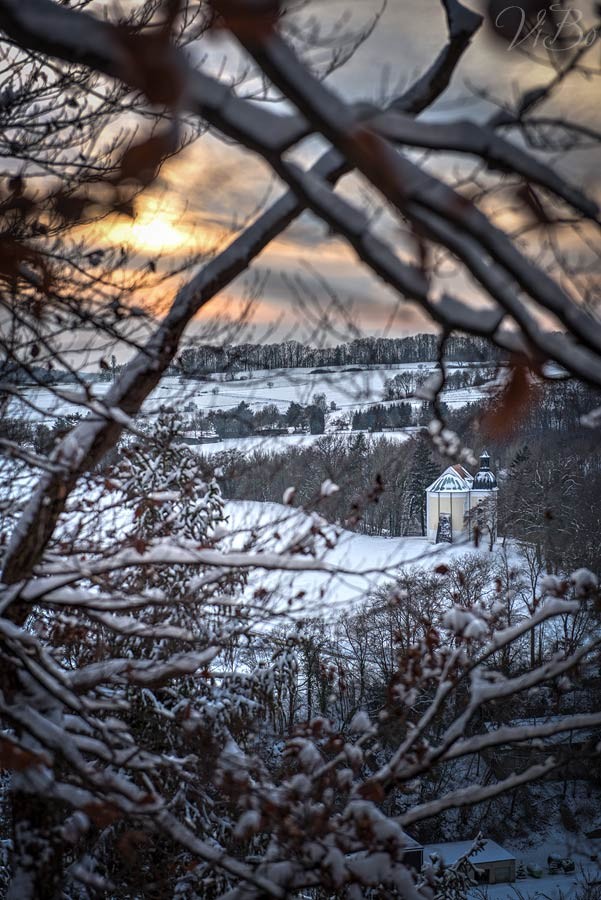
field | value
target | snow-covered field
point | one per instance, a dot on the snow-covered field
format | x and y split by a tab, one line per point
280	443
362	562
347	389
346	566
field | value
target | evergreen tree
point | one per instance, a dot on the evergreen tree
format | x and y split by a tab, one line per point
295	415
317	420
423	472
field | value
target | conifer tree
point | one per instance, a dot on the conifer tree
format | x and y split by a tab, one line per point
423	472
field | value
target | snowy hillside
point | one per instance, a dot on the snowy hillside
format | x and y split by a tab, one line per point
278	443
348	390
363	562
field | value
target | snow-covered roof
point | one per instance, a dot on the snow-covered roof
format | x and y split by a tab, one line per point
455	478
461	470
484	481
450	853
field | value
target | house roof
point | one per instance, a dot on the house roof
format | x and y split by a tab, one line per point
450	853
455	478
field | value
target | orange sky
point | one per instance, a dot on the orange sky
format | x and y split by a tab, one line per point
205	196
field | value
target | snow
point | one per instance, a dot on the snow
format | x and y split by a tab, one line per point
584	582
369	561
349	390
464	622
535	850
449	853
282	442
360	722
328	488
274	529
548	887
559	737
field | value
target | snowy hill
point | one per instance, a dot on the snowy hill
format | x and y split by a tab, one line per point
364	562
349	390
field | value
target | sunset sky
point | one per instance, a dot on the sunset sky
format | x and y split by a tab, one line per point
210	191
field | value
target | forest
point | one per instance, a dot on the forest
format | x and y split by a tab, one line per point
198	360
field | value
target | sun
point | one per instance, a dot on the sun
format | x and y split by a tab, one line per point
159	228
158	234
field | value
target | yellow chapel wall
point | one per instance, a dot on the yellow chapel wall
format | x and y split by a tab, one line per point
458	515
452	504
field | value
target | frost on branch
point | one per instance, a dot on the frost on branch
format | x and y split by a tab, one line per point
328	488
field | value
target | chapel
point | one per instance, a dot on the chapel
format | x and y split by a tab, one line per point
459	504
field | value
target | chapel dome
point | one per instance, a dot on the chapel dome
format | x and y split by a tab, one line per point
485	479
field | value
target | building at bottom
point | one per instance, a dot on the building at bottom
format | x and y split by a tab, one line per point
492	865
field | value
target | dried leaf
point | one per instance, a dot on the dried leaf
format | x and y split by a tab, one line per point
16	256
69	207
16	759
131	842
512	404
16	185
373	791
141	162
102	814
153	66
253	21
125	208
19	203
139	545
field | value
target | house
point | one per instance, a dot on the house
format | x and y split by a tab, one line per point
457	503
492	865
413	855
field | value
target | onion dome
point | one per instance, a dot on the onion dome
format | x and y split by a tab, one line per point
485	479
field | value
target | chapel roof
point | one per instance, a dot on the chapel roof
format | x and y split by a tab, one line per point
452	480
457	479
485	480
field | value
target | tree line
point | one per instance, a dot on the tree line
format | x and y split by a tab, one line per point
201	359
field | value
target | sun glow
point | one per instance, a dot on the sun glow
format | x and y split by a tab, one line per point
162	228
156	235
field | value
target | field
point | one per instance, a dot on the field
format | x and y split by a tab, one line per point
349	390
346	391
362	562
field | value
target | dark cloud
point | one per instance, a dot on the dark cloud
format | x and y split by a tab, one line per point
225	186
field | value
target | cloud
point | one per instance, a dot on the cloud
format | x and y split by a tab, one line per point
214	188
